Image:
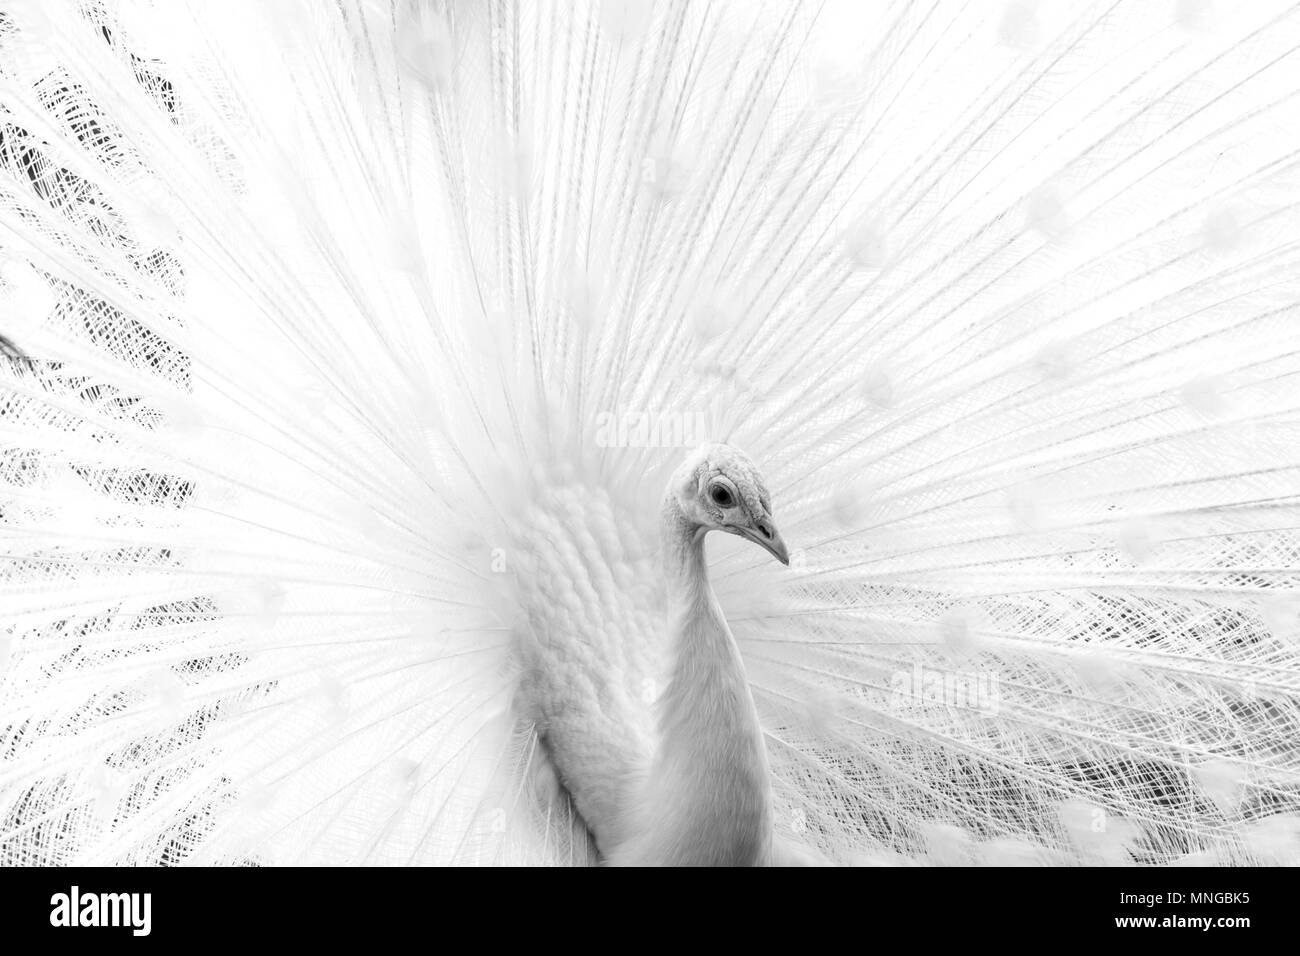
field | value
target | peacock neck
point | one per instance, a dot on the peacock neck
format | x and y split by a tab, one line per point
710	773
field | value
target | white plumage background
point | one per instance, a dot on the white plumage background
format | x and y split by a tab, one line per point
314	313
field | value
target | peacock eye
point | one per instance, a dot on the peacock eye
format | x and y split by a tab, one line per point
721	496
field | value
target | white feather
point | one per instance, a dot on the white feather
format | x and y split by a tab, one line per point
323	306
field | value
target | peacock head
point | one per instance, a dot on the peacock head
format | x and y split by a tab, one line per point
719	489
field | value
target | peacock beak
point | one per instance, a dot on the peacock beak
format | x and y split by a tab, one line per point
764	534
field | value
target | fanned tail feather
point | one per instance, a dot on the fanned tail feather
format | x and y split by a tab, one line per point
314	314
